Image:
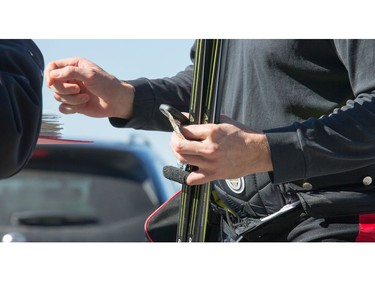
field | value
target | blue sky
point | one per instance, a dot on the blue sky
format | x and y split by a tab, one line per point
126	59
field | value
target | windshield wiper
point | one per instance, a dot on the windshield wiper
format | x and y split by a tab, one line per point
53	218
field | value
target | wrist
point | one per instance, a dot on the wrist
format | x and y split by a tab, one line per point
124	104
260	154
266	152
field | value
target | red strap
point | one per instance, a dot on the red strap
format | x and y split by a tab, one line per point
366	228
149	238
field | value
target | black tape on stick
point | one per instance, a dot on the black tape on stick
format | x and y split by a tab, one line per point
175	174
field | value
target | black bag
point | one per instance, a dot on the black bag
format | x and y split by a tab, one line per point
273	228
161	225
338	203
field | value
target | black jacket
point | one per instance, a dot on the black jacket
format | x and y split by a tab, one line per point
21	79
314	99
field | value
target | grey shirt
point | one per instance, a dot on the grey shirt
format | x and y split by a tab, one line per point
314	99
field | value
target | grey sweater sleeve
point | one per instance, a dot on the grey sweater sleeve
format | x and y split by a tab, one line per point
341	141
21	79
150	93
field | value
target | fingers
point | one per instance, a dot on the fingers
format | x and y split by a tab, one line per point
198	160
74	99
64	78
199	154
70	73
213	148
197	132
64	88
62	63
186	147
55	65
201	176
196	178
70	69
68	93
197	142
71	109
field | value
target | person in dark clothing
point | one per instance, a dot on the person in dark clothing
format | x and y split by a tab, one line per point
298	125
21	80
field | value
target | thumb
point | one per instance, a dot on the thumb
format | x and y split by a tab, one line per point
196	178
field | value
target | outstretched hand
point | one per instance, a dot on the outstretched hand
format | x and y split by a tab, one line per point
83	87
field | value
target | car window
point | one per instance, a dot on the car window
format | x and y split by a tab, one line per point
42	197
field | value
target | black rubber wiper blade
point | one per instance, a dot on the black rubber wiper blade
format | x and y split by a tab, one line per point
49	218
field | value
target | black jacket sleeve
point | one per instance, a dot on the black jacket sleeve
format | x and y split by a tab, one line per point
341	141
21	79
150	93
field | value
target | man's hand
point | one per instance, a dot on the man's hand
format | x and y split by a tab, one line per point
83	87
221	151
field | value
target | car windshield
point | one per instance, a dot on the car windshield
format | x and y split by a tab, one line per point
42	197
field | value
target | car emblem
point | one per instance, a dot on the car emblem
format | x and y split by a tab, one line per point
236	185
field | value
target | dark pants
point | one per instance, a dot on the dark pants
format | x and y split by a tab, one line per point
161	226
